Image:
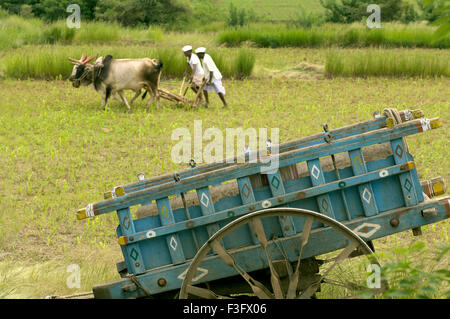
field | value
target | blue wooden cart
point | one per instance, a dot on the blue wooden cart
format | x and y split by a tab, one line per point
235	230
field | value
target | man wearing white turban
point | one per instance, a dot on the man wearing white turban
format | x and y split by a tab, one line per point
193	62
212	75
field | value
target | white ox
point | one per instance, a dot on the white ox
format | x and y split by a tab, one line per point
110	76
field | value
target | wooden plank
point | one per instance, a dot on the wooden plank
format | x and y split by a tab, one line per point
287	198
277	188
173	241
135	263
336	134
207	207
248	197
365	190
406	181
237	171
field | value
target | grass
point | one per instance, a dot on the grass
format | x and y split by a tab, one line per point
332	35
399	63
50	62
59	151
268	10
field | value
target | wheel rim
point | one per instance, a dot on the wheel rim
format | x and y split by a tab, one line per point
280	290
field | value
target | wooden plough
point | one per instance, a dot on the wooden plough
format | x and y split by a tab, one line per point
181	99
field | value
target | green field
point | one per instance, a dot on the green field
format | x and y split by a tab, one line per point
276	11
59	150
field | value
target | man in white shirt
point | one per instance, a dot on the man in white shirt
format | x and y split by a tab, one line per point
212	75
198	73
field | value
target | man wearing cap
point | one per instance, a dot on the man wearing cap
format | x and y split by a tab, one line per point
212	76
198	73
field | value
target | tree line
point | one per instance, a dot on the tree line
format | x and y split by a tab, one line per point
178	13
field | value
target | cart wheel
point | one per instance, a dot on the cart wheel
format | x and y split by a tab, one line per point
342	273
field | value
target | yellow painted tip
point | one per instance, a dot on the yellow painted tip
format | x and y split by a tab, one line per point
417	114
408	166
107	195
389	122
438	188
119	191
123	240
435	123
81	214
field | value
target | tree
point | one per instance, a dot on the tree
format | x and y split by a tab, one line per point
142	12
348	11
442	11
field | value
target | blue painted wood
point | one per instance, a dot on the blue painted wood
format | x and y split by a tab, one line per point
365	190
173	240
358	128
317	178
314	152
406	180
247	197
277	189
321	242
133	254
207	207
312	192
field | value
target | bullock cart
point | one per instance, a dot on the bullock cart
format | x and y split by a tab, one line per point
301	230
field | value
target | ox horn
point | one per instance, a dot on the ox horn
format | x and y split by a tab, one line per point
74	61
88	59
82	58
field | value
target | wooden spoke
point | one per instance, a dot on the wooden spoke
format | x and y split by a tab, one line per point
286	277
293	283
204	293
258	289
348	285
274	278
342	256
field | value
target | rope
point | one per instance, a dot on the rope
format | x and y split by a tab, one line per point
395	116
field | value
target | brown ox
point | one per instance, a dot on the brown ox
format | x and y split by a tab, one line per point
110	76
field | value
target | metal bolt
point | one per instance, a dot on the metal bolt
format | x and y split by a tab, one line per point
162	282
394	222
131	238
137	264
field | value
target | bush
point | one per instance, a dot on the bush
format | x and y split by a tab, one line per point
50	62
362	63
97	32
244	63
356	35
155	33
349	11
57	33
414	272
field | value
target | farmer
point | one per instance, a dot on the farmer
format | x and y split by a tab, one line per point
197	74
212	75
